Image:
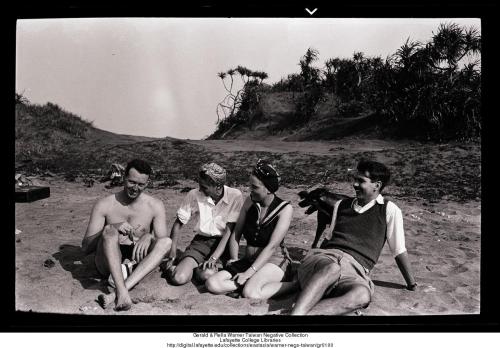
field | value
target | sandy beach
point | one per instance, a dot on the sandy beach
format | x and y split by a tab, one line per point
53	275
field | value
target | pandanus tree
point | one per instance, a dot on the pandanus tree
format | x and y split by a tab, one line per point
242	97
332	66
433	88
310	74
310	77
227	105
348	78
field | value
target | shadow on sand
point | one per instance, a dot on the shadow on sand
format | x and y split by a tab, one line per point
388	284
81	267
283	304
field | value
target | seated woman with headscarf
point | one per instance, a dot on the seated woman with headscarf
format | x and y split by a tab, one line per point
216	208
263	221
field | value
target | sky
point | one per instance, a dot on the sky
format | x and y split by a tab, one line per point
157	77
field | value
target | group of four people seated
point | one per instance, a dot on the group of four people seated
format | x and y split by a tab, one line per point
128	233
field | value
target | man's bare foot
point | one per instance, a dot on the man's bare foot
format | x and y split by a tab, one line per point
123	303
106	300
123	307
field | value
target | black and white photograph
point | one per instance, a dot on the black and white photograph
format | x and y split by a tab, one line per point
248	166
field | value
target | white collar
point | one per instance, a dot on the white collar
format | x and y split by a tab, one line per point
379	200
224	198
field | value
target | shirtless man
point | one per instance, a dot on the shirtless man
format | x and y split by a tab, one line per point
121	227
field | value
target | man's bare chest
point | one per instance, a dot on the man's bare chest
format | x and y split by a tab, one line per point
137	215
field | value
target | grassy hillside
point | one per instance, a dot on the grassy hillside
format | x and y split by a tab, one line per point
49	138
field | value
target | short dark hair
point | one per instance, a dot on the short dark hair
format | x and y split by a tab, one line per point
140	165
377	171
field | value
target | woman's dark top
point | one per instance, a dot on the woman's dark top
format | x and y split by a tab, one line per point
258	234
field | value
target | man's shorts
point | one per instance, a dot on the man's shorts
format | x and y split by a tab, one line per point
126	250
351	271
279	258
201	248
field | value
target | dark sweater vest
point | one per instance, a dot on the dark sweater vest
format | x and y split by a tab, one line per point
257	234
360	235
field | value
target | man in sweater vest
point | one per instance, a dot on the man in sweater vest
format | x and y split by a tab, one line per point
337	274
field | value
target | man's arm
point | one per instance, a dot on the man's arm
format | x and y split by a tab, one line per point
404	266
159	225
94	229
160	221
396	242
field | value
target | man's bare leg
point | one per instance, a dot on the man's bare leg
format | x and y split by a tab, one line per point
183	272
313	292
146	266
287	287
284	288
356	297
112	256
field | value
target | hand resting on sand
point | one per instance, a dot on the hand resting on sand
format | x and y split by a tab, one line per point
412	287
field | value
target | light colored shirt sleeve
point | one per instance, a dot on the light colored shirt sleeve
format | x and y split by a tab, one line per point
395	231
234	210
188	207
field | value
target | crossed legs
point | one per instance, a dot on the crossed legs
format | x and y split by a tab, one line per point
108	260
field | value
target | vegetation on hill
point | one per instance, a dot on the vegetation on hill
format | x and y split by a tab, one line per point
428	91
238	106
49	139
45	130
